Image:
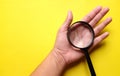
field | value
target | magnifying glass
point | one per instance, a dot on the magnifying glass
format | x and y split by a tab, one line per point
81	35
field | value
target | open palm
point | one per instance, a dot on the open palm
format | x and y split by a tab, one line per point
63	47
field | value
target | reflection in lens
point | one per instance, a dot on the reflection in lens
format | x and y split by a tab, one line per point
80	35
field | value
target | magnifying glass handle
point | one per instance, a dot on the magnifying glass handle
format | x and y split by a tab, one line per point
89	63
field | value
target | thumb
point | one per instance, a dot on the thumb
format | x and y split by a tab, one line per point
67	22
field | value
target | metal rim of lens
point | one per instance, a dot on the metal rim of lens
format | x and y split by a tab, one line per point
88	26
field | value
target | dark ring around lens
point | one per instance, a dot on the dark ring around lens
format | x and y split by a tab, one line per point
88	26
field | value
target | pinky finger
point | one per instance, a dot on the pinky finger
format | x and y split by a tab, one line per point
99	39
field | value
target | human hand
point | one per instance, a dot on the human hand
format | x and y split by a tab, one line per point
63	53
62	46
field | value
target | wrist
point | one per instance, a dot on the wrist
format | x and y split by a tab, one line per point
59	59
53	65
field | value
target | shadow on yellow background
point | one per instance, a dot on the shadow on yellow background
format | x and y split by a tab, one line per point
28	30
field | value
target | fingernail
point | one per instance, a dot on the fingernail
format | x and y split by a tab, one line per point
99	7
107	33
106	8
109	19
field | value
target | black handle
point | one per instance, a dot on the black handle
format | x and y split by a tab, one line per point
89	63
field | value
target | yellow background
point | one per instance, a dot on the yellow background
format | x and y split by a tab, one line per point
28	30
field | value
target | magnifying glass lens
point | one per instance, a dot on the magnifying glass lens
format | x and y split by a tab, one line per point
80	35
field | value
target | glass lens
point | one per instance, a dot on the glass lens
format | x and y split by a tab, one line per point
80	35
